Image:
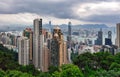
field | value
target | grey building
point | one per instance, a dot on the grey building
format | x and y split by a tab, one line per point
69	34
118	35
38	40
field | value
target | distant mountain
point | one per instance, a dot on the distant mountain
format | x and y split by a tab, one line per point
80	26
65	26
94	26
4	28
46	26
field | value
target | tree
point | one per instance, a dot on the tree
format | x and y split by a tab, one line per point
15	73
114	65
52	69
68	70
44	74
55	74
2	73
85	59
109	73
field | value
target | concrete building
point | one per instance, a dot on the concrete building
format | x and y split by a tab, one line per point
38	41
108	41
118	35
58	51
13	40
99	40
23	50
110	35
45	57
29	33
107	48
69	34
51	27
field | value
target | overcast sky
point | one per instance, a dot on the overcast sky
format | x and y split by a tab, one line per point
60	11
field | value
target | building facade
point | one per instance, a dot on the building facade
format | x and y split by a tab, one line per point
99	40
29	33
38	41
118	35
23	51
45	61
69	34
58	51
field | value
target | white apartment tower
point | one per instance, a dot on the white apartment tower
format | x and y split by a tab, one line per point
23	51
38	40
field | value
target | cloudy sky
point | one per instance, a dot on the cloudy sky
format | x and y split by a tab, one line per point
60	11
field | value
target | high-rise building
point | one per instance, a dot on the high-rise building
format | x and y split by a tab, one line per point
118	35
51	27
100	37
29	33
99	40
69	34
13	38
108	41
38	40
45	57
23	50
110	35
58	51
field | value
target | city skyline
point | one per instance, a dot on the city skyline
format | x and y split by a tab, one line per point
60	11
60	38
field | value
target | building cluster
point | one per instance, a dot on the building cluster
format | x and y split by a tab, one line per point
45	48
42	48
9	40
100	44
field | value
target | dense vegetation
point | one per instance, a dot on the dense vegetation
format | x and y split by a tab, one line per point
102	64
9	64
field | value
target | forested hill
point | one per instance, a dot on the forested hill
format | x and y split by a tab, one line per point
9	66
8	58
101	64
13	54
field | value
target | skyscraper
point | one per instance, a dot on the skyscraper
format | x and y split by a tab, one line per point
37	44
23	50
118	35
29	33
99	40
45	57
69	34
108	41
110	35
51	27
58	48
100	37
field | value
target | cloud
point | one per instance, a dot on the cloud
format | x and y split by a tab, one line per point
27	18
56	8
103	8
104	12
80	11
20	18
